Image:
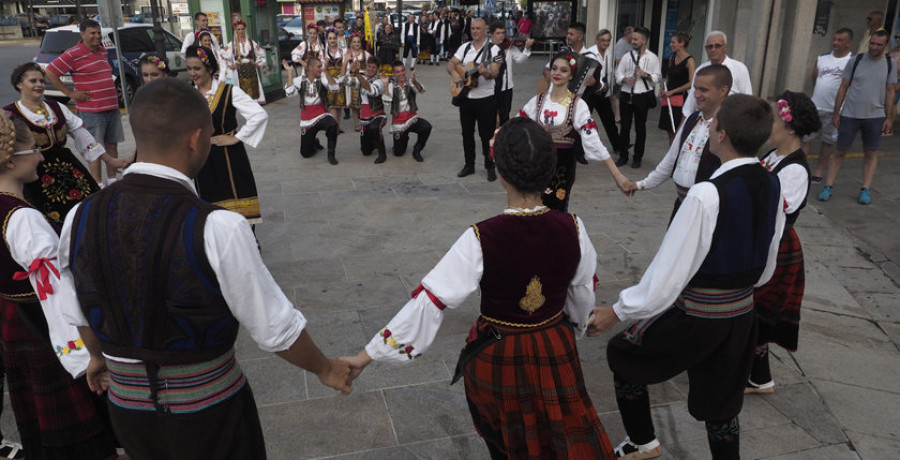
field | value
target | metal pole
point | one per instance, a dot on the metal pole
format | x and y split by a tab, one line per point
159	41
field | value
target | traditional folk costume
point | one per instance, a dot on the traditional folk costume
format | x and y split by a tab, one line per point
530	302
388	51
371	116
306	51
440	31
63	180
314	114
249	58
410	40
185	276
687	161
57	416
352	85
334	65
777	303
694	305
194	37
405	118
227	179
426	43
566	122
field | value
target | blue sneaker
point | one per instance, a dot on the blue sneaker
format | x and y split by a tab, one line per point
825	194
865	196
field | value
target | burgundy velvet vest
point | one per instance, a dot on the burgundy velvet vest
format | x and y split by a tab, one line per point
529	262
10	289
46	137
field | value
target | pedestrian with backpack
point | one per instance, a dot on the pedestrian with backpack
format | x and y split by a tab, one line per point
863	102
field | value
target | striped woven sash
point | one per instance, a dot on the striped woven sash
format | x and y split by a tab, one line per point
180	389
681	192
715	303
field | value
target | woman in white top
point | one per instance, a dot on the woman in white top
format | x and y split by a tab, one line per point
311	48
354	63
568	120
244	59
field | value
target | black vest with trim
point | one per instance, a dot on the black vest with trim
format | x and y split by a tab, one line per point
223	111
795	158
749	200
320	88
142	276
410	98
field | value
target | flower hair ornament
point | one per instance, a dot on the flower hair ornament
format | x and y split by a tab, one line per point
201	54
784	111
155	60
572	61
239	22
312	26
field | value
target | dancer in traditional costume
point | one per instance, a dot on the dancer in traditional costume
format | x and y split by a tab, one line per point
227	179
333	59
400	96
56	415
161	281
153	66
63	180
311	48
567	117
777	303
534	304
313	89
355	60
388	47
244	59
372	116
694	303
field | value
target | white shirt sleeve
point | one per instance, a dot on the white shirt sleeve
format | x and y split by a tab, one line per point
622	70
581	297
453	279
794	183
85	143
255	117
683	250
653	67
665	168
388	96
253	296
594	149
517	56
298	51
772	260
187	42
293	88
461	52
742	83
324	79
530	109
70	311
31	238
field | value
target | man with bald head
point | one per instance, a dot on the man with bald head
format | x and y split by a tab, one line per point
717	49
162	280
479	105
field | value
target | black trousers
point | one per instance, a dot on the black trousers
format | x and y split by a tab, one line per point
410	46
482	112
634	108
604	108
422	129
308	145
227	430
370	135
504	105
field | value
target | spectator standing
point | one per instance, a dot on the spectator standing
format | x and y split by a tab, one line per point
95	96
717	49
874	22
637	72
863	103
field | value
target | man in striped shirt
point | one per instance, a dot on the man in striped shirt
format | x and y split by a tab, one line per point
94	94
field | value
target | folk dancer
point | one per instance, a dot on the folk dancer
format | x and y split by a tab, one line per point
400	96
244	59
694	304
313	90
777	303
534	304
201	24
355	60
333	59
311	48
175	388
599	96
371	112
566	117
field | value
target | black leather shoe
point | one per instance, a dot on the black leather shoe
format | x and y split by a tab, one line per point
346	114
635	164
622	161
581	159
467	170
417	155
492	175
332	159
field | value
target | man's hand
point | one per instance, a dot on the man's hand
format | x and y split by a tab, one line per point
590	81
337	376
836	120
628	187
97	374
629	81
888	126
604	319
529	43
82	96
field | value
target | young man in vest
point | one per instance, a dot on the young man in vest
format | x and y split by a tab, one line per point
371	111
689	160
314	114
400	96
694	304
163	281
410	39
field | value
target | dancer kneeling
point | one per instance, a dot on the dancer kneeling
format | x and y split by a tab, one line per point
533	305
313	89
694	304
401	96
371	111
566	117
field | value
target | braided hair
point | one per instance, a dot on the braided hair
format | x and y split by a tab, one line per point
13	130
525	155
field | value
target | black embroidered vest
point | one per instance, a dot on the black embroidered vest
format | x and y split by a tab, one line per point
142	276
795	158
410	97
10	289
320	88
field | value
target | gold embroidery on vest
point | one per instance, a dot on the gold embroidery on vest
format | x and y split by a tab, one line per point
533	299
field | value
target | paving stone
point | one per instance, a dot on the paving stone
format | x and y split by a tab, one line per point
872	448
836	362
893	332
863	410
867	280
275	381
447	414
845	330
761	443
464	447
390	265
825	292
327	426
833	452
805	408
882	306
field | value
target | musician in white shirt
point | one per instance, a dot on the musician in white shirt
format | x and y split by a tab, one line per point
638	72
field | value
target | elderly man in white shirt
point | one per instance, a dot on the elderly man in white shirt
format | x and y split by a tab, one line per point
717	48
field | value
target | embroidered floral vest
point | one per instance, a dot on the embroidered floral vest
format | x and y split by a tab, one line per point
564	135
52	137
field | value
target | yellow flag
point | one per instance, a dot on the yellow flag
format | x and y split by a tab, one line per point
369	32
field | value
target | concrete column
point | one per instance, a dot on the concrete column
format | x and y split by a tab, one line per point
796	45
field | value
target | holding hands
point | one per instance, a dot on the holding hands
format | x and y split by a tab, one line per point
601	321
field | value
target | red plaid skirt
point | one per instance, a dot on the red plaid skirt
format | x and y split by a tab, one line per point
777	303
57	417
527	396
